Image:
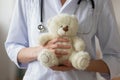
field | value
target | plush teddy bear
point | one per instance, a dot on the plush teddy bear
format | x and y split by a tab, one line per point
66	26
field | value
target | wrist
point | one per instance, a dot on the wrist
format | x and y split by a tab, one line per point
36	52
98	66
30	54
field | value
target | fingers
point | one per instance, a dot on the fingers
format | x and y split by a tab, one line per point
60	46
59	53
57	48
60	40
66	66
67	63
54	45
62	68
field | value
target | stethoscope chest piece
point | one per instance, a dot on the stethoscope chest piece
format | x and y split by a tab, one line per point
41	28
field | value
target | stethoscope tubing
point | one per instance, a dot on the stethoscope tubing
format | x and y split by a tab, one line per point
41	9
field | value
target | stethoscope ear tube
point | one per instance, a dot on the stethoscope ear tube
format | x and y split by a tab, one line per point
79	2
92	3
41	10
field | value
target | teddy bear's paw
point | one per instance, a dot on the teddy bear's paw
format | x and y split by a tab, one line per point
44	38
47	58
79	44
81	60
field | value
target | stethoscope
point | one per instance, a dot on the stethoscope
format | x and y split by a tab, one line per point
41	27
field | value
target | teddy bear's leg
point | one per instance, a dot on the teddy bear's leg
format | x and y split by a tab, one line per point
47	58
80	60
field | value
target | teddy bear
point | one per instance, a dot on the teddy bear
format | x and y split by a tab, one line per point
65	26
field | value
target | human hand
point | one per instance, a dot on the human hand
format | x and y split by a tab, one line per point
66	66
54	46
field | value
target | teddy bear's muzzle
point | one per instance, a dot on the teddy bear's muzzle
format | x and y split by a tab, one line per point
65	28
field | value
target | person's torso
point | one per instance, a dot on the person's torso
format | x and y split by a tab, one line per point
87	18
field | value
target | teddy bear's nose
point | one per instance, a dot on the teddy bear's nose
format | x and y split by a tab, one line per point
65	28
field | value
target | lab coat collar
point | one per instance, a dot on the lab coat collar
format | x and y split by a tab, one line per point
69	7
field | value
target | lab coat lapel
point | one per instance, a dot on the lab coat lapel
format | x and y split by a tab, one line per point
69	7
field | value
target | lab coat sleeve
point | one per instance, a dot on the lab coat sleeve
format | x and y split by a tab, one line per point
109	38
18	34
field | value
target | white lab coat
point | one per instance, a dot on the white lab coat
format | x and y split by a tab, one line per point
99	22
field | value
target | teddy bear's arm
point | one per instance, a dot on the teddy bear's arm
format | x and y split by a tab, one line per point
44	38
78	44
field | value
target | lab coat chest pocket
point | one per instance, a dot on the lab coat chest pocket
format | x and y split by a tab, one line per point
86	22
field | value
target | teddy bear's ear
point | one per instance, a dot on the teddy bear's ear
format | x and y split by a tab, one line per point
49	21
74	17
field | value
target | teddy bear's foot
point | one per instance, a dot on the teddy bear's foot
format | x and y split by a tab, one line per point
47	58
80	60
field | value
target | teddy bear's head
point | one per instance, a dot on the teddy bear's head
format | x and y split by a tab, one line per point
63	25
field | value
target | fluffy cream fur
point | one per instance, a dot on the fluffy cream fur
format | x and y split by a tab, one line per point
64	25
